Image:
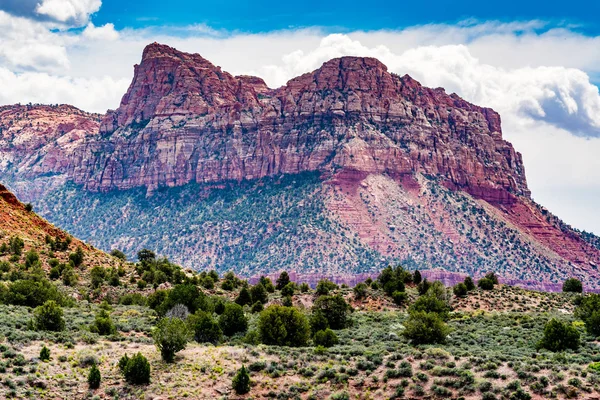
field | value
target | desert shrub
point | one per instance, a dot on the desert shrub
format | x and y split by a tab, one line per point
33	293
49	317
103	324
423	287
324	286
559	336
334	309
492	277
77	257
170	336
393	279
283	326
97	275
259	293
360	291
485	284
178	311
94	377
435	300
287	301
283	280
304	288
572	285
257	307
69	276
469	284
45	354
244	297
233	320
460	290
288	290
187	294
241	381
132	299
326	338
204	328
417	277
588	311
425	327
266	282
399	297
136	369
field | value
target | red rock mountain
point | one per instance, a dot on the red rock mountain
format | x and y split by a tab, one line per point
385	147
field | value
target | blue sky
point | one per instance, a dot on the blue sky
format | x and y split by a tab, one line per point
263	15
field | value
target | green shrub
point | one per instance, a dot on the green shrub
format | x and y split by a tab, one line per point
233	320
283	280
257	307
425	327
288	290
360	291
244	297
283	326
589	312
559	336
77	257
49	317
417	277
259	293
33	293
103	324
435	300
334	309
324	286
399	297
572	285
326	338
45	354
241	381
204	328
266	282
132	299
460	290
469	284
136	369
97	275
94	377
170	336
485	284
304	288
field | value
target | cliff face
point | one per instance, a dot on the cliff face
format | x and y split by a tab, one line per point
184	120
394	161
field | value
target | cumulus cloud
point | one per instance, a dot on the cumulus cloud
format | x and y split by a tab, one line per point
37	87
105	32
76	12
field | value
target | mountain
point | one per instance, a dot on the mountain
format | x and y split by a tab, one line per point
337	173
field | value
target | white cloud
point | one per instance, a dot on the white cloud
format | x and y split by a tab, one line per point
105	32
69	11
37	87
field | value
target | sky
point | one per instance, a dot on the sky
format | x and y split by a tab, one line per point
535	62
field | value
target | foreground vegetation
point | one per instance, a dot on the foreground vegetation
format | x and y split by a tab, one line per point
153	330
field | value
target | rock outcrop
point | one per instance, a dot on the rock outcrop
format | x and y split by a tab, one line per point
185	120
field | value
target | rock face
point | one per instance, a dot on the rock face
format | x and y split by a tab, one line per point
184	120
413	172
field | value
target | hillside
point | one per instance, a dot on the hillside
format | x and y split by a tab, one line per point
337	173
